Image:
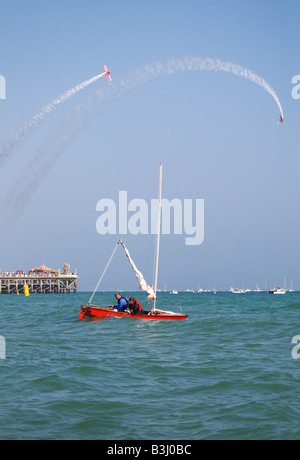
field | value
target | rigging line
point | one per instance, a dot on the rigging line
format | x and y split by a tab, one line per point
115	249
151	182
101	277
145	194
158	233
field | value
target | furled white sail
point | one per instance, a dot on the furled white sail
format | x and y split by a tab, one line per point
142	283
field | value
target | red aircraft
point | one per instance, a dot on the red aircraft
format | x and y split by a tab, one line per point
106	72
281	118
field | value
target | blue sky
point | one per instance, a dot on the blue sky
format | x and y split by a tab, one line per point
216	134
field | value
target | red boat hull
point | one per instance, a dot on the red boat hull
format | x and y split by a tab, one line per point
92	310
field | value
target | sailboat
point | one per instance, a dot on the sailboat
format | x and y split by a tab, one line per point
90	310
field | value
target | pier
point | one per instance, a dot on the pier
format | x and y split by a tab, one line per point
40	280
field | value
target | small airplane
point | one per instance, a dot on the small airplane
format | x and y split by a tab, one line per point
281	118
106	72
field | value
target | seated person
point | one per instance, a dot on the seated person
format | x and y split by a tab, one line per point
135	306
122	303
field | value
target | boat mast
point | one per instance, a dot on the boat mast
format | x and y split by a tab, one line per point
158	233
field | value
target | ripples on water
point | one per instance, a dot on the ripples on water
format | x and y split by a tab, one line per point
225	373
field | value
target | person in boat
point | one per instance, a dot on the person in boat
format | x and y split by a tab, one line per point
123	303
135	306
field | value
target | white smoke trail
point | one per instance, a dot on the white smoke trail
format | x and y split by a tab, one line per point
79	117
197	64
22	132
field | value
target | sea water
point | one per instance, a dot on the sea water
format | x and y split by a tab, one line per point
227	372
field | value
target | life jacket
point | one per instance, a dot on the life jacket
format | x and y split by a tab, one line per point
123	307
137	307
119	300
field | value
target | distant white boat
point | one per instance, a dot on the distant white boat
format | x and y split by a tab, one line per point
280	291
238	291
277	291
291	288
174	292
257	289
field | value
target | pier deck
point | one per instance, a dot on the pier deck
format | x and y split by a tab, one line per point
13	283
